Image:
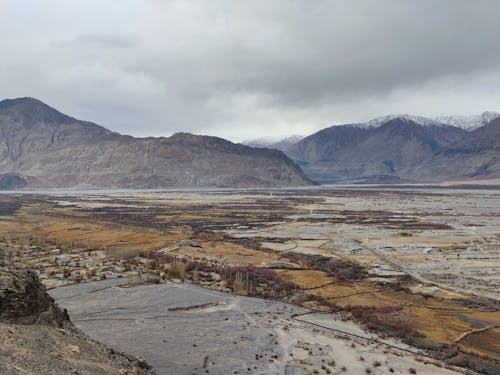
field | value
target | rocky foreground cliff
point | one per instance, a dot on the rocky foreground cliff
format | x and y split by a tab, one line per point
43	148
38	338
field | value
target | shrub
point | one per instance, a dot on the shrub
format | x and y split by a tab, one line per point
384	319
341	269
178	270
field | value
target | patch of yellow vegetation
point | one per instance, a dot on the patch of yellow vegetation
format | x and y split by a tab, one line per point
491	317
231	253
367	298
86	232
485	342
438	325
306	278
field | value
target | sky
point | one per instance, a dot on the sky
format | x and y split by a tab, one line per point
242	69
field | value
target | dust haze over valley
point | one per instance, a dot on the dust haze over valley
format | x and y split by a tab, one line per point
229	187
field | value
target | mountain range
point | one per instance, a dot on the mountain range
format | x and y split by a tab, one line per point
43	148
403	148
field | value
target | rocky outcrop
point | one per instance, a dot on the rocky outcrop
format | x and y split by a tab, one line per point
23	300
39	338
43	148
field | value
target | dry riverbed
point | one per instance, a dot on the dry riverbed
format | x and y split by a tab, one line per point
185	329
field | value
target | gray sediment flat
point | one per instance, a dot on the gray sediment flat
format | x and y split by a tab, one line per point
179	328
184	329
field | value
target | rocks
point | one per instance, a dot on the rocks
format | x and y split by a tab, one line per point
39	338
215	276
23	300
189	243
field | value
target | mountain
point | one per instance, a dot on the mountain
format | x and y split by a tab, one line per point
468	122
465	122
379	121
43	148
262	142
483	139
399	148
475	156
285	143
282	144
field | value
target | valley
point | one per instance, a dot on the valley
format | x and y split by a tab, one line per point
415	265
250	187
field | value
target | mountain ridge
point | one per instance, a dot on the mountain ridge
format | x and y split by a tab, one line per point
41	147
468	123
47	149
397	149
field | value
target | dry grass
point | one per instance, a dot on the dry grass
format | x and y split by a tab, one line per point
233	254
56	225
306	278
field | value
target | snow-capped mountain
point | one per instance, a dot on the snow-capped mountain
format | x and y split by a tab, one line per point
261	142
379	121
274	142
397	148
468	122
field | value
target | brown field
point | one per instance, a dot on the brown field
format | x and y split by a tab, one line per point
60	226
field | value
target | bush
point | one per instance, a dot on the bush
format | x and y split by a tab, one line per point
341	269
177	270
385	319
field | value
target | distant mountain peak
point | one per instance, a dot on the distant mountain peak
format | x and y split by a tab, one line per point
469	122
6	103
30	111
379	121
184	136
274	142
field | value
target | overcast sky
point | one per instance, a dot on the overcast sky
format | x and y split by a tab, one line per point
246	69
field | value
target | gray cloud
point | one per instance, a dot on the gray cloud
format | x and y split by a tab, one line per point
241	69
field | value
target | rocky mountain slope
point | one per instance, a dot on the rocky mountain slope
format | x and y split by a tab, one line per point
399	149
43	148
476	155
403	149
39	339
